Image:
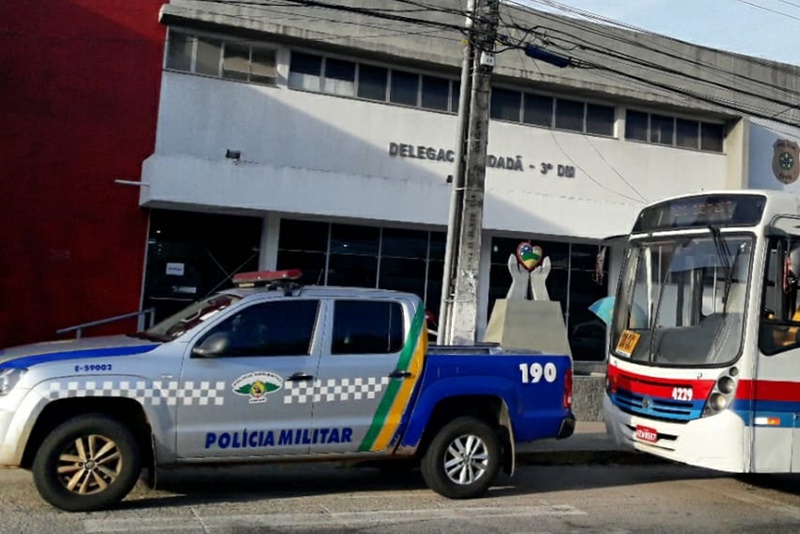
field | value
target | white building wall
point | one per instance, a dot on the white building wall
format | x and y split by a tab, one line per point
313	154
763	135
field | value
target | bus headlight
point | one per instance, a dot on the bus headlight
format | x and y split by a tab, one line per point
717	402
9	379
726	385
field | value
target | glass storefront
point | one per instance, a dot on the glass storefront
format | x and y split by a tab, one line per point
365	256
191	255
573	282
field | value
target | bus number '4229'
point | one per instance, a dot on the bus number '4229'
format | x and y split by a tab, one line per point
682	394
533	373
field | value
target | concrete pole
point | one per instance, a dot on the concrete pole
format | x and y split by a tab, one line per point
457	196
463	315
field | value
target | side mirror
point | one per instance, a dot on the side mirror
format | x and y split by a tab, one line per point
214	345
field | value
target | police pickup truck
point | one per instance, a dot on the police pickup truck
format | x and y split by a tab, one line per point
272	371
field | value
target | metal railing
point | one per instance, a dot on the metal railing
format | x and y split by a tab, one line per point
139	314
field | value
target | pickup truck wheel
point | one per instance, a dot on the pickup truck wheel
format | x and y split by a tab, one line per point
463	459
89	462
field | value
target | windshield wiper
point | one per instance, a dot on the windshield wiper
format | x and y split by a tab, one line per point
723	253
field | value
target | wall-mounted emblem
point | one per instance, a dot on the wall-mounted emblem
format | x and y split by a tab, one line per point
785	164
257	385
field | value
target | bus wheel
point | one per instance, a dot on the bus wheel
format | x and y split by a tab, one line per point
89	462
463	459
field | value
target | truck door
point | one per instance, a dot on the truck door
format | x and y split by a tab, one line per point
366	379
775	392
250	359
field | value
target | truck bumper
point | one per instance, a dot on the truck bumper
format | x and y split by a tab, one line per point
18	411
567	428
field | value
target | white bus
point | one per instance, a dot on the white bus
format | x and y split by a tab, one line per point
704	348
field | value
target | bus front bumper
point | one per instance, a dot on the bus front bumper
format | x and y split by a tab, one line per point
715	442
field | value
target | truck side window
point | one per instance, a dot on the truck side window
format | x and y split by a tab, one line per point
367	327
278	328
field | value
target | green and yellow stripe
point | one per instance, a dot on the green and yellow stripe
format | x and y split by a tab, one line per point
393	404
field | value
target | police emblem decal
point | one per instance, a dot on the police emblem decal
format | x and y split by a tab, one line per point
257	385
785	164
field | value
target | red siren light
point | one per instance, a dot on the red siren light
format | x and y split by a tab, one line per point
265	277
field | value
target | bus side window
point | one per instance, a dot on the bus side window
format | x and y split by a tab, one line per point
780	316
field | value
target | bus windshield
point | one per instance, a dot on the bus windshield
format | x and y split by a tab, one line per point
681	299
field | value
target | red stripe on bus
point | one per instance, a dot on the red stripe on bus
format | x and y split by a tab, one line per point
768	390
656	387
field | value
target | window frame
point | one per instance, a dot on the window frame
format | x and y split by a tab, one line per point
194	36
676	118
403	330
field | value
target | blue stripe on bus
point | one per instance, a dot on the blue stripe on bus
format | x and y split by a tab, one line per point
658	408
28	361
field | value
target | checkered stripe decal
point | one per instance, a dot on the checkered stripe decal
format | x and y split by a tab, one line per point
332	390
169	392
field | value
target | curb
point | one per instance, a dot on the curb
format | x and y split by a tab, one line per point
588	457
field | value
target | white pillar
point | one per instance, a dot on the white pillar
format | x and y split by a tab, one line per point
268	250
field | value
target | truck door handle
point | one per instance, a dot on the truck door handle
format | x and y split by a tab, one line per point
300	376
399	373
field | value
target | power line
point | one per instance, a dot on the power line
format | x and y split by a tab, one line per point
770	10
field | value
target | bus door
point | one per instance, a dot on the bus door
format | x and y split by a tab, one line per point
773	397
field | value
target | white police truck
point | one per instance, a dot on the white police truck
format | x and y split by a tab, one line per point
273	371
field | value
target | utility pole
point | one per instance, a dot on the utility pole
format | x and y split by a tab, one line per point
459	309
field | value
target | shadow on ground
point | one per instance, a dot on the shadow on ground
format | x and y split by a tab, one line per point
240	484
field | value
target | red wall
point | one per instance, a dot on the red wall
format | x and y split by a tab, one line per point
78	105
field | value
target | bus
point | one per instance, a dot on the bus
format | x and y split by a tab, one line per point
704	341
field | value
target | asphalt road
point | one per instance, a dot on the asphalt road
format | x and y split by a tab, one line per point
610	499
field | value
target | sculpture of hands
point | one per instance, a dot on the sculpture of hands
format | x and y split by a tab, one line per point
521	278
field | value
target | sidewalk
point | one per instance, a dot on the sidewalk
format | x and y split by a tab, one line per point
589	444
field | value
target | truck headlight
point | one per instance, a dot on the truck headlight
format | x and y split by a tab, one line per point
9	379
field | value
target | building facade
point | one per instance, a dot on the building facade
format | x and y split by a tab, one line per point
291	137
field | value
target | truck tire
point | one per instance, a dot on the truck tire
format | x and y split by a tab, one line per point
89	462
463	459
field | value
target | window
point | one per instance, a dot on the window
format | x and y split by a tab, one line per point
278	328
599	119
209	52
215	57
367	327
673	131
538	110
405	88
179	53
455	101
711	137
661	129
569	115
340	77
309	72
372	82
361	256
505	104
435	93
236	61
636	125
304	245
263	66
780	310
305	72
686	133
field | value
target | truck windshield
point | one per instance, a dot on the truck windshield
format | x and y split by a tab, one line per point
681	299
188	318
